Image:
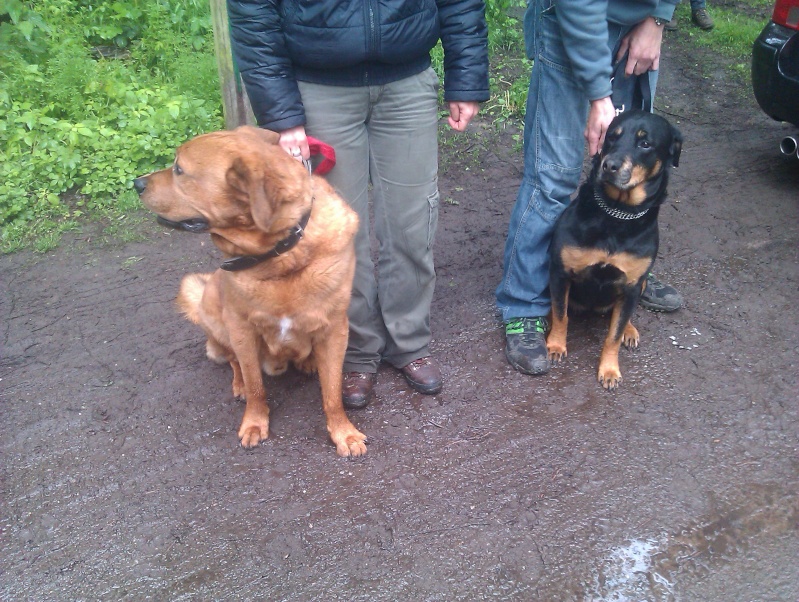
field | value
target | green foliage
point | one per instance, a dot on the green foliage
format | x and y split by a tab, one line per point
23	32
510	72
74	121
504	29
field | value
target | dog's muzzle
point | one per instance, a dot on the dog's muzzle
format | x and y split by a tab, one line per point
195	225
616	171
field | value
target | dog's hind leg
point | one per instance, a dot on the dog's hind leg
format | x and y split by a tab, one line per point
216	352
238	380
190	295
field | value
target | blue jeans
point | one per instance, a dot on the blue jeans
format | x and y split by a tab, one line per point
555	118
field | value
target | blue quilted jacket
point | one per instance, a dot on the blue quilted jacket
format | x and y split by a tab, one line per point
352	43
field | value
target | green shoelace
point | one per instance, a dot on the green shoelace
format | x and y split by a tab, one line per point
525	325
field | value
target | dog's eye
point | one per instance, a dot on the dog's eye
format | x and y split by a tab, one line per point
644	144
177	170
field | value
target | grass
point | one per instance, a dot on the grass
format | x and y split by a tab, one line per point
733	34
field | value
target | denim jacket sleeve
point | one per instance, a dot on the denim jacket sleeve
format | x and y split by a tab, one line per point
261	56
584	29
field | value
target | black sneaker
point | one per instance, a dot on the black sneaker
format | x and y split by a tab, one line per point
660	297
526	345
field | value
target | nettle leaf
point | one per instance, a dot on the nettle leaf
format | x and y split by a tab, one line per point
26	29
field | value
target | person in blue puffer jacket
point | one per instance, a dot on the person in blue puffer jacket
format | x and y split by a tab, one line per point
356	74
574	44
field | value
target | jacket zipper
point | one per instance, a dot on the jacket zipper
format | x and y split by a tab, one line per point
372	36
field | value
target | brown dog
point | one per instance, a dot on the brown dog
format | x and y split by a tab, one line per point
282	295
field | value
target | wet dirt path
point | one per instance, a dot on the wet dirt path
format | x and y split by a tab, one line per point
122	478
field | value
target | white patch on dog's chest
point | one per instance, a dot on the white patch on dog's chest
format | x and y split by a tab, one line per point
285	328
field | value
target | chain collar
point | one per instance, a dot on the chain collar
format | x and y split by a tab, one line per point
613	212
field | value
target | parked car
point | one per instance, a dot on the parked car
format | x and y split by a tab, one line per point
775	69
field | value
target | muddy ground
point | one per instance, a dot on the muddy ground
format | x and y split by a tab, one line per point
122	477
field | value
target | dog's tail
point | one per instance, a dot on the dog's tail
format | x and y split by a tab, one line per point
191	293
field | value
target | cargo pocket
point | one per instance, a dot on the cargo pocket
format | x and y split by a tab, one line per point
432	223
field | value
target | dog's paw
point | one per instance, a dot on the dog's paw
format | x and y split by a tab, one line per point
350	443
609	377
252	433
308	365
556	352
216	353
630	337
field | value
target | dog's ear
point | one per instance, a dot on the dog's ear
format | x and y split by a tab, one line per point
247	181
676	146
269	181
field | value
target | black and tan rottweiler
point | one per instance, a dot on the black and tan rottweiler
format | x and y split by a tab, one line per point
605	242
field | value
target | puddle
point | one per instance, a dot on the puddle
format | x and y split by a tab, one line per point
649	570
630	575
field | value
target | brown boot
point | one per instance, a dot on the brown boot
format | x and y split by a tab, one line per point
424	375
702	19
356	389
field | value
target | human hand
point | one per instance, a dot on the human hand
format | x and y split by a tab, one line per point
643	42
461	113
295	143
600	115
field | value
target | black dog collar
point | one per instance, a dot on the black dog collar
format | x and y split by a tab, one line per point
613	212
243	262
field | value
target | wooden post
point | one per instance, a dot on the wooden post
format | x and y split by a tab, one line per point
235	103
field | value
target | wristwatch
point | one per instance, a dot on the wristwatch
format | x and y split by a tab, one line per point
659	21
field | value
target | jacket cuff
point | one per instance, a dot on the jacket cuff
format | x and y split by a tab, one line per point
665	10
602	90
466	95
280	125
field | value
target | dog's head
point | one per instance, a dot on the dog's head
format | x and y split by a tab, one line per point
239	185
633	164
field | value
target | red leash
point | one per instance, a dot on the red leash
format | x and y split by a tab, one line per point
328	155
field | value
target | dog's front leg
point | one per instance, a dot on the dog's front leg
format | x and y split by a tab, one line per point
559	286
621	330
255	423
329	352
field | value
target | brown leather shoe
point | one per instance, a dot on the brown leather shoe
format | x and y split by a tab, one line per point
356	389
702	19
424	375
